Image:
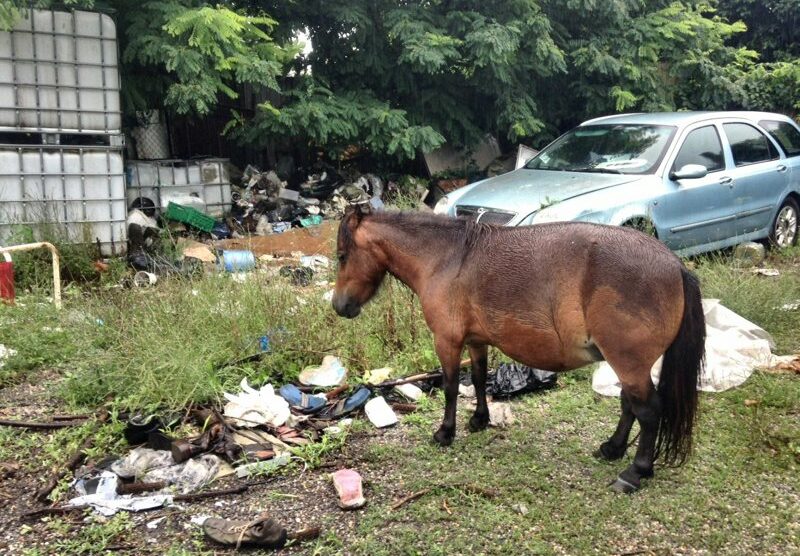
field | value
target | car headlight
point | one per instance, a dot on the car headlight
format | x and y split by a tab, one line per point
442	206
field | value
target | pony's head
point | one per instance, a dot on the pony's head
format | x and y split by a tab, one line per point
360	272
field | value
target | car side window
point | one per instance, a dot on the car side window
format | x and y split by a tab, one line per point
702	146
749	145
787	135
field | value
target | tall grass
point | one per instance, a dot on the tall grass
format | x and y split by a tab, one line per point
764	300
180	341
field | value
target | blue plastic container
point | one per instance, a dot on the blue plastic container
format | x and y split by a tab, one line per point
238	261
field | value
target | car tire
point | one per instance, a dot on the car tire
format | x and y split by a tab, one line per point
783	232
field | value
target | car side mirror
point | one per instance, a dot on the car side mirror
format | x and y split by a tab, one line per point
689	172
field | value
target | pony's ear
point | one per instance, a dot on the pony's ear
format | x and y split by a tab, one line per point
355	213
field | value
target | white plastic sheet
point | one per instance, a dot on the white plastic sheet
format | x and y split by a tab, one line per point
735	347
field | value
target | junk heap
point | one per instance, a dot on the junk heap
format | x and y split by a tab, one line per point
262	204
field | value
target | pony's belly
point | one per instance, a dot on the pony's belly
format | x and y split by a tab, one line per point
544	350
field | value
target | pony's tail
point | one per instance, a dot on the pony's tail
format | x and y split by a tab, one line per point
677	386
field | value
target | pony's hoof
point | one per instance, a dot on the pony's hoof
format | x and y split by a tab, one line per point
623	486
478	423
609	452
444	437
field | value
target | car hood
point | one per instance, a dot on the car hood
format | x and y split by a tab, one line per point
524	191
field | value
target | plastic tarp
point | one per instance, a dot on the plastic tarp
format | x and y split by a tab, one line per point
735	347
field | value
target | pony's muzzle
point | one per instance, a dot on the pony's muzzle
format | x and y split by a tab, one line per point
345	307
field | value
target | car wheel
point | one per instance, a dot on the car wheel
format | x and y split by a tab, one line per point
784	228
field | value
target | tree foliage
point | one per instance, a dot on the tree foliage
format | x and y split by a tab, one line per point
396	77
204	51
773	30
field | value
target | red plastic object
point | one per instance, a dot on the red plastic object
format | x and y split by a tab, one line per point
7	281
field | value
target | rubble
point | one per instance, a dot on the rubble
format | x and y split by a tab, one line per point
348	485
750	253
379	413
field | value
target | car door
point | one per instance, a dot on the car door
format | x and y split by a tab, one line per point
696	211
759	176
787	135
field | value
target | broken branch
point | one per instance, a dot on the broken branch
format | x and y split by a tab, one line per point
307	534
210	494
52	510
411	497
412	378
138	488
472	489
40	425
73	462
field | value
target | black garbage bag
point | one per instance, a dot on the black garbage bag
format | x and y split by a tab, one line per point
513	379
510	379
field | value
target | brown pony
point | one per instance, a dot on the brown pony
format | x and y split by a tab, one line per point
553	296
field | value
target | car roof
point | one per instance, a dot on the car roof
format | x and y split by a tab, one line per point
682	118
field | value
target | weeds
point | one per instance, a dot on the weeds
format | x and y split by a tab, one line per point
96	537
314	454
762	300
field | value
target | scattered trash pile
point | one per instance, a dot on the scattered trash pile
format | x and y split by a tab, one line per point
257	433
262	205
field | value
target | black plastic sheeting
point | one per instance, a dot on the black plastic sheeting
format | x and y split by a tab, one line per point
513	379
509	380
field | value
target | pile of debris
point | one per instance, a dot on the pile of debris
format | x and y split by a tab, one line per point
265	204
257	433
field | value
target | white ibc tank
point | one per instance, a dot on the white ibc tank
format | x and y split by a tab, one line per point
59	73
180	180
77	193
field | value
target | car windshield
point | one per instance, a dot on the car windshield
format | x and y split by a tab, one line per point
608	148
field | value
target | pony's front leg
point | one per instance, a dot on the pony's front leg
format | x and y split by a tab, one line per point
479	357
449	353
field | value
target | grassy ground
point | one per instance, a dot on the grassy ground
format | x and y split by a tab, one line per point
179	342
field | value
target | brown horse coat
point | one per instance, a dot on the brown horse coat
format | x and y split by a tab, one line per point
553	296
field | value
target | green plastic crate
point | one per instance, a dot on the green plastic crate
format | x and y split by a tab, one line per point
191	216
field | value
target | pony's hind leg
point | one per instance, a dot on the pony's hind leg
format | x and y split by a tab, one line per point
614	448
479	356
646	407
449	353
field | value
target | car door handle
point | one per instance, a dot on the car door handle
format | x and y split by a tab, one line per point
781	168
726	181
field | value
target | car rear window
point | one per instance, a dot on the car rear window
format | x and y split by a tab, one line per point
749	145
787	135
702	146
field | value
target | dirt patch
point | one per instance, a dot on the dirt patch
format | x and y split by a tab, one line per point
31	400
317	240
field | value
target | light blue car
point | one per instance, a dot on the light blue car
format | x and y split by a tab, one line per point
698	180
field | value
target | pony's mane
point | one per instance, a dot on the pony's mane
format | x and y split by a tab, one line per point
463	233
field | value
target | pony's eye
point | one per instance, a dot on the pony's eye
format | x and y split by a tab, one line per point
342	258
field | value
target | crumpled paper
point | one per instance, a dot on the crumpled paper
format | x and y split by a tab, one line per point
254	407
101	494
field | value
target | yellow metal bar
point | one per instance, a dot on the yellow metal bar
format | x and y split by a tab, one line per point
56	264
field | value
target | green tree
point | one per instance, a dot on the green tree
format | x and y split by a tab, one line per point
773	30
395	77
